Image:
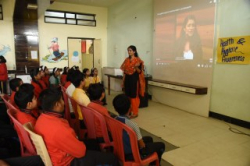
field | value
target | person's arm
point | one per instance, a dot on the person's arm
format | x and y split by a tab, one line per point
67	141
141	144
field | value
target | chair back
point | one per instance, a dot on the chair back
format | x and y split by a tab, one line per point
89	120
117	128
6	99
27	148
103	128
67	108
39	144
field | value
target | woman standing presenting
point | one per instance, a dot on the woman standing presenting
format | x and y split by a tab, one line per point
133	79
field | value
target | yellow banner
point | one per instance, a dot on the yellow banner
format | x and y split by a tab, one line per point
234	50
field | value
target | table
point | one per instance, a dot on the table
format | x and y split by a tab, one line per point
147	77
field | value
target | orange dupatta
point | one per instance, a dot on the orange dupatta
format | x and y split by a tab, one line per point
128	67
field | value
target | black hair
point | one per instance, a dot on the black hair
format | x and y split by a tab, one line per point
49	97
84	71
2	59
33	73
77	77
65	70
92	71
134	49
24	95
95	91
15	83
121	104
70	74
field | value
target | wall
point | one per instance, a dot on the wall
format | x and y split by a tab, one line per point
47	31
7	32
130	22
231	83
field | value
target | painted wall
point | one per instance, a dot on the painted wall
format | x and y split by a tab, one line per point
230	87
130	23
47	31
231	83
7	33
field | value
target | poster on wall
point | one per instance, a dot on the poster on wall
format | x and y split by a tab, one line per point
55	54
234	50
4	49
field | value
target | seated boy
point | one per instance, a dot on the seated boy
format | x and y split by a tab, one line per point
14	86
61	141
26	101
121	104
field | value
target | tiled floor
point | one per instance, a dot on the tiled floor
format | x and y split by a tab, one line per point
201	141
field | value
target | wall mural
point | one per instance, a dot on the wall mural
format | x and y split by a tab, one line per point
4	49
55	55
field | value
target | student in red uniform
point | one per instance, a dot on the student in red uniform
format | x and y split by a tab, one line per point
38	84
63	77
3	75
14	86
26	101
46	75
60	139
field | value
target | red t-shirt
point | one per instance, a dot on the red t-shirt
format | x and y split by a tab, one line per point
63	79
60	139
3	72
23	118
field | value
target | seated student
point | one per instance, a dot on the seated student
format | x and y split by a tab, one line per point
37	82
26	101
14	86
70	88
54	80
63	77
61	141
79	94
96	93
86	73
45	75
121	104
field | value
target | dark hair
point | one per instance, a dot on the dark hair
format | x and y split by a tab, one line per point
95	91
121	104
84	71
49	97
24	95
33	73
65	70
134	49
70	74
92	71
77	77
15	83
2	59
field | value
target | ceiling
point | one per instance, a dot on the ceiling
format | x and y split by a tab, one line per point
99	3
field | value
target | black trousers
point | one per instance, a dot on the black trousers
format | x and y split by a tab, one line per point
3	87
95	158
25	161
151	147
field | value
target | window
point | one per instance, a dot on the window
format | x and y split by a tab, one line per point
61	17
1	12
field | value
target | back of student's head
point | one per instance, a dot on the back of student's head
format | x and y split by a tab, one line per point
15	83
77	77
49	97
24	95
95	91
70	74
121	104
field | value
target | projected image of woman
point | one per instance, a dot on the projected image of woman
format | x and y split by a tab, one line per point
133	79
189	43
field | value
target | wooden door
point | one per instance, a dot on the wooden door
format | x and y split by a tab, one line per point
75	54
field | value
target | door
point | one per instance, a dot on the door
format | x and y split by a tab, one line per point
75	55
98	56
